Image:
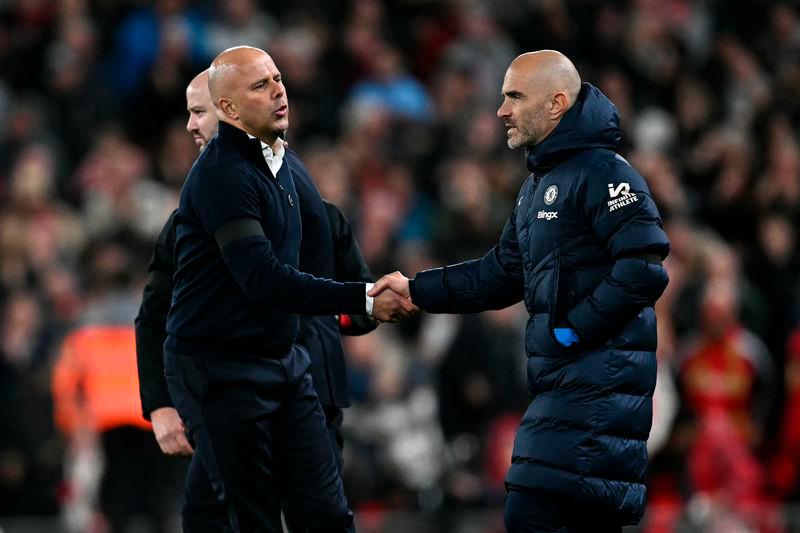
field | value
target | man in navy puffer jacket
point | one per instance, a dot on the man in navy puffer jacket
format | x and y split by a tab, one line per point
583	248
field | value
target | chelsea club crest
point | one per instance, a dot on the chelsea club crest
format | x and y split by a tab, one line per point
550	194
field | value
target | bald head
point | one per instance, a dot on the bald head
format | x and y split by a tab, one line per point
539	87
199	82
549	71
202	122
247	89
227	67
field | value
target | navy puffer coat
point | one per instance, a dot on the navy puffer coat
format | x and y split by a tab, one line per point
583	249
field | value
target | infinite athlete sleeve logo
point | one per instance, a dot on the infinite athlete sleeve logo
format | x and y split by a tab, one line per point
621	196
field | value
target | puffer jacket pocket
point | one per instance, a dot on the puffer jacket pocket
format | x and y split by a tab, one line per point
559	297
560	302
538	285
539	339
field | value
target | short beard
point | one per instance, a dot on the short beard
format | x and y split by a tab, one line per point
533	132
511	144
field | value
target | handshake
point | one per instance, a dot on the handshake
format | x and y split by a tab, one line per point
392	299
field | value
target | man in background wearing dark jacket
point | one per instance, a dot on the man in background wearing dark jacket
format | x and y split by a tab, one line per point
583	248
151	322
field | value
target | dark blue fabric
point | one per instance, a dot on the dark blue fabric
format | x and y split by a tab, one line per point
570	250
203	513
261	441
241	300
328	250
319	334
542	512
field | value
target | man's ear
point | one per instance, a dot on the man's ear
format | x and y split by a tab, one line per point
227	109
559	104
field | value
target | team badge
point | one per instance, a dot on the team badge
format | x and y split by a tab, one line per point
550	194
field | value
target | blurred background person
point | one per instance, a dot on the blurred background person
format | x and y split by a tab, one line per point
96	408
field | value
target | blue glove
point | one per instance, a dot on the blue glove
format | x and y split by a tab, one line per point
566	336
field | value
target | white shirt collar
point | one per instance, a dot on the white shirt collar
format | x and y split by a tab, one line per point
274	159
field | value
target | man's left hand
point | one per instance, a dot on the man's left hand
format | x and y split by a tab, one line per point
392	307
170	432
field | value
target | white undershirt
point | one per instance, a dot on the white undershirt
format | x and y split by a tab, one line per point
274	159
370	299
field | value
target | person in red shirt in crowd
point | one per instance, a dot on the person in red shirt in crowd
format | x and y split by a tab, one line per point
726	377
785	465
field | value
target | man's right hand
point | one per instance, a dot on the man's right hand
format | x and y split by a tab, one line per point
392	300
170	432
395	281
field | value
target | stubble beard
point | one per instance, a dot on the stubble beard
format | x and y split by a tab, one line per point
530	130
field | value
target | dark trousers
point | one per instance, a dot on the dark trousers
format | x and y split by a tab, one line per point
209	516
333	422
530	511
260	441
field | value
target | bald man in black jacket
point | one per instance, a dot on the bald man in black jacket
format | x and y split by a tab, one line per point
231	327
328	250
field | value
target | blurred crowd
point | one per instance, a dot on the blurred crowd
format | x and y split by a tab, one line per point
393	111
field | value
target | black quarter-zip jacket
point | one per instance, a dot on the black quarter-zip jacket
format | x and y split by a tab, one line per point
237	291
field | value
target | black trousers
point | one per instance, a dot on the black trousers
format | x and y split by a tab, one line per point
260	441
206	507
531	511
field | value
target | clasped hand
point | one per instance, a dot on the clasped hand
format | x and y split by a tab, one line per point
392	299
